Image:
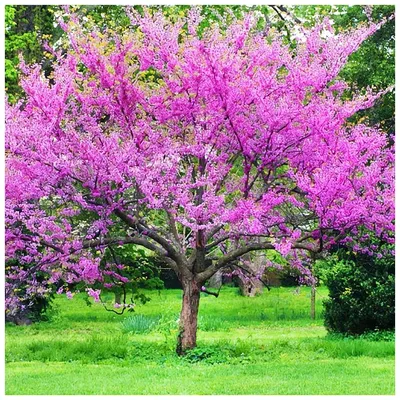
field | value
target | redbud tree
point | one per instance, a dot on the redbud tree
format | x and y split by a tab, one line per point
201	145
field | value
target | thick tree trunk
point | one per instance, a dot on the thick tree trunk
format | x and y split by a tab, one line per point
188	319
312	313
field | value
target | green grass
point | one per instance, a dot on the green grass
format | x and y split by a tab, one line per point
261	345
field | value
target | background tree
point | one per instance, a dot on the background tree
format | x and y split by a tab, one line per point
27	28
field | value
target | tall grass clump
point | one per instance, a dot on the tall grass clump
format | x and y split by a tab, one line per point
139	324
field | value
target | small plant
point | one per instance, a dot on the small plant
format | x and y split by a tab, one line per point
139	323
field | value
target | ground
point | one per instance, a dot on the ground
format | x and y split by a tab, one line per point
261	345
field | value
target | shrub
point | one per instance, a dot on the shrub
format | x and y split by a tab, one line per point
207	354
361	293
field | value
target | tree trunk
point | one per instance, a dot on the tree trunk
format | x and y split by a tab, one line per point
312	313
250	287
118	297
216	280
249	284
188	319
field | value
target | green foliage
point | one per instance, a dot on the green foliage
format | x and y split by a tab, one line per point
361	293
141	267
285	275
26	28
104	16
209	355
379	336
372	336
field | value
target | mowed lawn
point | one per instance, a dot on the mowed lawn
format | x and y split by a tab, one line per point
261	345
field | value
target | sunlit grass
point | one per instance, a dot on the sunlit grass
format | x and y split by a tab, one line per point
261	345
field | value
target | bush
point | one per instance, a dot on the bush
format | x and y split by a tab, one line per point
361	293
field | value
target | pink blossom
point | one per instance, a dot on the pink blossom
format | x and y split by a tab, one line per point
94	293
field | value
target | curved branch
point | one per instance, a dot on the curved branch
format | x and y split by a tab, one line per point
253	275
217	242
237	253
124	240
144	230
232	256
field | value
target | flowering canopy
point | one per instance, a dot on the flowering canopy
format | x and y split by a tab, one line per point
200	148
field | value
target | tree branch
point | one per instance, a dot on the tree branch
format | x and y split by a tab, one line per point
174	231
253	274
213	231
232	256
147	231
217	242
235	254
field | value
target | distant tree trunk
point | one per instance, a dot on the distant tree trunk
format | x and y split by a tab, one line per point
312	313
250	287
313	285
188	319
118	297
216	280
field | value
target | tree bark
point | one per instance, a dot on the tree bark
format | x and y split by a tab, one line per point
118	297
312	313
250	287
216	280
188	319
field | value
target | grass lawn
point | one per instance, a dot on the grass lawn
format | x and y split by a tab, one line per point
261	345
